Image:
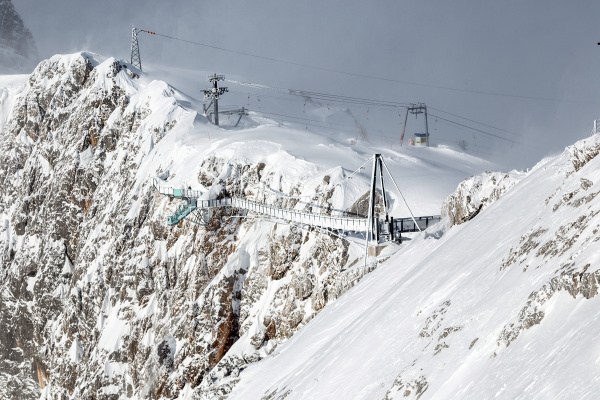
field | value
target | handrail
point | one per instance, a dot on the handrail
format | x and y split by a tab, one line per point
356	224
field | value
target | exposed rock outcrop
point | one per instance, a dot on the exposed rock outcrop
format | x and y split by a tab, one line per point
476	193
101	298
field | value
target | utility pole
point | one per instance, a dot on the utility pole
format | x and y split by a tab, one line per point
214	93
404	128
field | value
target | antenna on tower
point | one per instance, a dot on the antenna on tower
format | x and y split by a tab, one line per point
214	93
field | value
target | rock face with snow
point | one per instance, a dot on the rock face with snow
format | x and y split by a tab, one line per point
18	52
475	194
100	299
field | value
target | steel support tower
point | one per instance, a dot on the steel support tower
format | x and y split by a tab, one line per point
373	231
136	60
416	109
214	93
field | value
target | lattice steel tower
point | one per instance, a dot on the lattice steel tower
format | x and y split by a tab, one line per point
136	61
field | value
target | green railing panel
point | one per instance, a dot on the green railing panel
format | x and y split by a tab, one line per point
181	212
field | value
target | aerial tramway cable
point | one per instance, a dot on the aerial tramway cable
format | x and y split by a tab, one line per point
328	97
473	128
353	74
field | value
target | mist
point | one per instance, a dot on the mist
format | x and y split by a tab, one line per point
527	68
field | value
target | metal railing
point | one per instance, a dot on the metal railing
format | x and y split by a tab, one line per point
349	224
346	224
181	212
301	217
408	225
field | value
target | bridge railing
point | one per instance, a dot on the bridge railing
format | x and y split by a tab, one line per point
408	225
302	217
180	193
349	224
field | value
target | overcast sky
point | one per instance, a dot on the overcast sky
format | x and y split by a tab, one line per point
529	67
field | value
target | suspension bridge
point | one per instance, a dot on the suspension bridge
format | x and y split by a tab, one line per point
374	227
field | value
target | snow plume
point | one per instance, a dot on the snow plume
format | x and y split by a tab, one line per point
18	52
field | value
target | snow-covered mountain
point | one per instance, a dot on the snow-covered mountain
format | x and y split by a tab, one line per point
503	306
101	299
18	52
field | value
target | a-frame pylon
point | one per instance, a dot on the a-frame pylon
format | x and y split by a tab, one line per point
381	226
373	231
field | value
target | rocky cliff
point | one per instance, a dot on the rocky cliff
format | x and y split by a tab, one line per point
99	298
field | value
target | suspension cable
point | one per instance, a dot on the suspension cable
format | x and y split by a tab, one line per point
401	195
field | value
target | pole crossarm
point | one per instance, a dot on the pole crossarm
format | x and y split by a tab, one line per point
215	93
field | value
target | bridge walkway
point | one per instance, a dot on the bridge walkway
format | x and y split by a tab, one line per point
340	223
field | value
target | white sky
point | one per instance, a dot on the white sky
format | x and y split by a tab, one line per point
460	56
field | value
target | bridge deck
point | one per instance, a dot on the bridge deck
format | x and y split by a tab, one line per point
343	223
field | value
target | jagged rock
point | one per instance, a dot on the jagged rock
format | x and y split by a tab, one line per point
474	194
283	252
102	298
403	388
361	206
434	321
576	284
583	151
303	285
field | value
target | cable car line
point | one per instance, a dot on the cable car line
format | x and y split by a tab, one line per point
356	74
472	128
474	121
329	97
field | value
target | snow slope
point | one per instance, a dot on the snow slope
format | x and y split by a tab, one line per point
504	306
10	85
425	175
